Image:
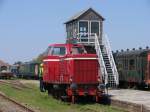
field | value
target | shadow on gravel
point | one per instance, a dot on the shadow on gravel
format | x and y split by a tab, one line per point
105	100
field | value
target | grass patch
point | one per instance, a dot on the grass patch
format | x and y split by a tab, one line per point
44	103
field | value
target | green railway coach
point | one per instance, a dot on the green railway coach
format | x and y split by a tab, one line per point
133	67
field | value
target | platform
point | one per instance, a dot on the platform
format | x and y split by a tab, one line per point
136	100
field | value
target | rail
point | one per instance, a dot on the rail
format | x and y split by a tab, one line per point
14	84
16	103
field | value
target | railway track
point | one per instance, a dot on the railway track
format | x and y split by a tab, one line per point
20	106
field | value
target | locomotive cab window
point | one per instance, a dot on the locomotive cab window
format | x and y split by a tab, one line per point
48	51
77	50
131	64
58	51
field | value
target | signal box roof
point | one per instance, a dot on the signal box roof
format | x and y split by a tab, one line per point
78	15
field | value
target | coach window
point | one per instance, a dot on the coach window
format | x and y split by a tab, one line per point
120	66
131	64
125	64
59	51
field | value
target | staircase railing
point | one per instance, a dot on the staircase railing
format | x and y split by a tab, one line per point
92	38
106	43
86	38
100	60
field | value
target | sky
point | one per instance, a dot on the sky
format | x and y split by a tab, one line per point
27	27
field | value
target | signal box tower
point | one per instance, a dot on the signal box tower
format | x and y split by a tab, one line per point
86	28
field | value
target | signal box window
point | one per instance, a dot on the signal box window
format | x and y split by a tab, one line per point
132	64
125	61
59	51
77	50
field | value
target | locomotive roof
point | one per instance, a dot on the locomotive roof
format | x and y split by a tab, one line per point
65	44
132	52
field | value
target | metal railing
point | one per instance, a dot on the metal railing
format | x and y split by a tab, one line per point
86	38
100	60
92	38
106	43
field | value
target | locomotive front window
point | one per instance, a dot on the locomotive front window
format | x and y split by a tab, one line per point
77	50
48	51
59	51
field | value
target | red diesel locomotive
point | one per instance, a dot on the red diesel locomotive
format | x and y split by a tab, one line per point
69	72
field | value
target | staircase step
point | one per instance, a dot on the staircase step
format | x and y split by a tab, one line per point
106	58
107	65
109	69
107	62
105	55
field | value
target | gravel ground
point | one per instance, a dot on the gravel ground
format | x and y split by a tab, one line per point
133	96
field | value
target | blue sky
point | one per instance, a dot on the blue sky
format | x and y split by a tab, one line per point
28	26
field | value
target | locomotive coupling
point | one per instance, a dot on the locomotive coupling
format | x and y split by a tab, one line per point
74	86
101	87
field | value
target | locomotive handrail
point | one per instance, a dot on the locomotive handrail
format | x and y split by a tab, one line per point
100	60
105	41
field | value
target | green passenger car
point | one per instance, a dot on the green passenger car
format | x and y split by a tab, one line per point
132	66
29	70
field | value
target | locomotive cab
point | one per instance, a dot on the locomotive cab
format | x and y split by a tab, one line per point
70	71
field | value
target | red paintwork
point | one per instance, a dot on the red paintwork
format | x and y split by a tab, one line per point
81	68
148	69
